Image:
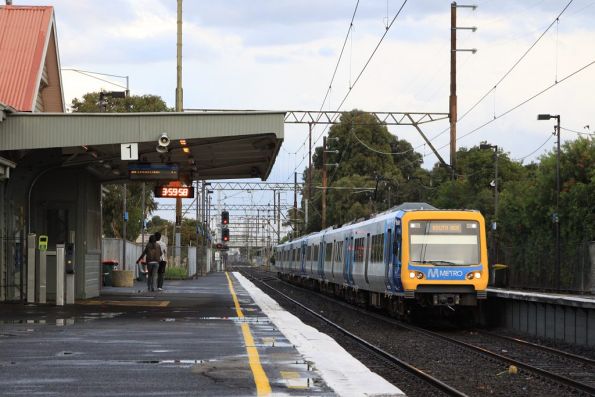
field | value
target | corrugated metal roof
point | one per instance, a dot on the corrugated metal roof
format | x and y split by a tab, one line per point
24	35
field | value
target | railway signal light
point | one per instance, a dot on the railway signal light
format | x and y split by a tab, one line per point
225	217
225	234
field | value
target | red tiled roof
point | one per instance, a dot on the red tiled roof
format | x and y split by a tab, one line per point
24	33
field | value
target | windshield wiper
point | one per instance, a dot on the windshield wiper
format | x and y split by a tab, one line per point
443	263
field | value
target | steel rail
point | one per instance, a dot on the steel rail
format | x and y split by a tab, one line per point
547	374
376	350
583	359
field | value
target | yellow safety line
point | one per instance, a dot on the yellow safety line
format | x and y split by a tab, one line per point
263	387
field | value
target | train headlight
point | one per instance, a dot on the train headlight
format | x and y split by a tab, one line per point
473	275
419	275
411	274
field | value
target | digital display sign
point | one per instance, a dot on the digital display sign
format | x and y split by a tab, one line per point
148	171
174	191
444	227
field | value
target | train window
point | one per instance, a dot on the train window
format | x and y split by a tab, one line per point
308	254
358	247
315	256
328	253
377	248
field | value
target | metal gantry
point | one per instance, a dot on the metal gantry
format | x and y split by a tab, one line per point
388	118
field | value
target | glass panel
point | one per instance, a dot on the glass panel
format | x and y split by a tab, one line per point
444	243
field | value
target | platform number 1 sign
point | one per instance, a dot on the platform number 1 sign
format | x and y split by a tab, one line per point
129	151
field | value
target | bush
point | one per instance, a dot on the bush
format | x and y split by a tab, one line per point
175	273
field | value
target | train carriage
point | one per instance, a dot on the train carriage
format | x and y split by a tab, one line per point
413	254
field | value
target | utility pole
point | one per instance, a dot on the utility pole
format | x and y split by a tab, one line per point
323	216
278	217
309	176
452	103
179	108
452	108
295	225
125	221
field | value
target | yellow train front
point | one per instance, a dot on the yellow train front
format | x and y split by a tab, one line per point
442	257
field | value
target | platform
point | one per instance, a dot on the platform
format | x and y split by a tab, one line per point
561	317
215	336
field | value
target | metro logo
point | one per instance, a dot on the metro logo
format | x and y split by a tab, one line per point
447	274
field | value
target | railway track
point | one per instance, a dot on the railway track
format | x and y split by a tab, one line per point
434	385
567	373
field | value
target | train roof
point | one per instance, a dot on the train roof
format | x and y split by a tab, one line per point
404	207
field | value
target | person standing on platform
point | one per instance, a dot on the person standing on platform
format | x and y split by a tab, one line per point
162	261
152	254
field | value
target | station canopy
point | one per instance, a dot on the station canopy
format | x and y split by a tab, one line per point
202	145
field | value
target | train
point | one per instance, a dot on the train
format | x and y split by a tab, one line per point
411	256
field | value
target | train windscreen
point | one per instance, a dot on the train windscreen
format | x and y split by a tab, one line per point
444	243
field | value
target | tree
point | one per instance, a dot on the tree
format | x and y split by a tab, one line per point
112	199
130	104
375	169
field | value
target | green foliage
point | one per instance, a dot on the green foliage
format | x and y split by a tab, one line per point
130	104
175	273
112	204
377	170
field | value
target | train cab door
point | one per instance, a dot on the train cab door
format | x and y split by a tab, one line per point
397	263
392	257
388	257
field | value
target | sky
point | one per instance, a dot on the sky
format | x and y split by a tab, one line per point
280	55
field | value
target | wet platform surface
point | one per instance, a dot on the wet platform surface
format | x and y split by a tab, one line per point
190	339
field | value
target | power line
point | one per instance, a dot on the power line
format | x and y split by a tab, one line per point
522	103
533	152
349	30
516	63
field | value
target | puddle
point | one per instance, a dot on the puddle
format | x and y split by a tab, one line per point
62	321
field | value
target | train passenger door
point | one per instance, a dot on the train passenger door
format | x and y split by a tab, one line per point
321	257
302	258
348	273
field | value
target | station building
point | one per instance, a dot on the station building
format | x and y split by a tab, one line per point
53	163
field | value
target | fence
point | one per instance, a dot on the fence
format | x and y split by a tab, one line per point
112	250
533	266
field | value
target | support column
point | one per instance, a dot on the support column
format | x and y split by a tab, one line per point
59	274
31	267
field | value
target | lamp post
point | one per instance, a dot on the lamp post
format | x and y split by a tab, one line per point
485	146
556	216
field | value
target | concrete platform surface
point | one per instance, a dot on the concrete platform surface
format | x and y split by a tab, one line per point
205	337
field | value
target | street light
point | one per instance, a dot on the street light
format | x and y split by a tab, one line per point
556	215
486	146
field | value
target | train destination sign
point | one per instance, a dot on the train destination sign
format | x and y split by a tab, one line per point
174	191
149	171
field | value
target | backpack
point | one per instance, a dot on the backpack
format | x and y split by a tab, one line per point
153	252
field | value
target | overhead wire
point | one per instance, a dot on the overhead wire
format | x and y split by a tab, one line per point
504	76
332	78
522	103
535	151
590	134
516	63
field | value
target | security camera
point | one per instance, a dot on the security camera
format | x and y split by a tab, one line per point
163	140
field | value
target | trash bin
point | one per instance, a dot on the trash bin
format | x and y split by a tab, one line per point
107	267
